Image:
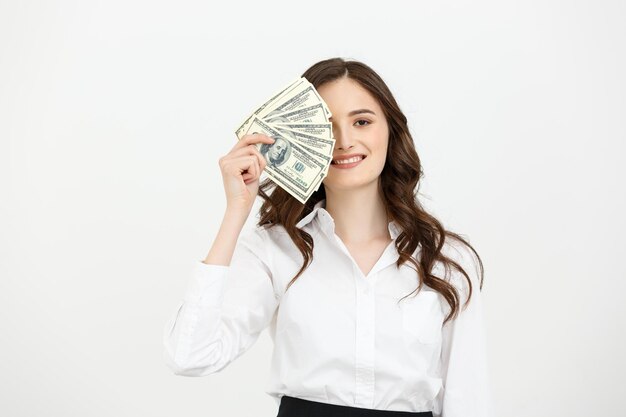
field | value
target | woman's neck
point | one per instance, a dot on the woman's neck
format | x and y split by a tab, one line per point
359	215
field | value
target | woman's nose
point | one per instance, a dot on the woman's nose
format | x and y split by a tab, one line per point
342	139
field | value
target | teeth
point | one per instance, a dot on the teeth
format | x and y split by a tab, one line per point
347	161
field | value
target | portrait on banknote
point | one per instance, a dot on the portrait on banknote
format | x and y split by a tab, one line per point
276	153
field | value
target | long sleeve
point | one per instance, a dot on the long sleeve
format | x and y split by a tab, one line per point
223	311
467	390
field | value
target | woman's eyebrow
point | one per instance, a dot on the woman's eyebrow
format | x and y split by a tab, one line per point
359	111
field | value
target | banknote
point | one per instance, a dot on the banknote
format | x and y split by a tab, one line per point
320	130
311	114
297	98
291	166
297	118
267	103
317	146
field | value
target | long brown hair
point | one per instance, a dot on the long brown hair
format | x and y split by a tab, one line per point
397	184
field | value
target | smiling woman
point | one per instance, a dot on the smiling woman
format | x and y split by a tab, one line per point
356	114
379	321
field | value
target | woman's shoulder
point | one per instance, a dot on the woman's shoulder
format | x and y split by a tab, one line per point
462	254
267	229
457	250
275	233
262	238
273	242
255	237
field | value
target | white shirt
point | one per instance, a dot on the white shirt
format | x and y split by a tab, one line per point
339	336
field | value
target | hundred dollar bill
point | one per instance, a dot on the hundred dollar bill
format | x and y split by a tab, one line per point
320	130
312	114
269	130
303	95
269	103
292	167
285	95
322	148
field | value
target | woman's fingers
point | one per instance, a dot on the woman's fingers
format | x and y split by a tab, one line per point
252	139
247	167
241	168
238	165
250	150
254	171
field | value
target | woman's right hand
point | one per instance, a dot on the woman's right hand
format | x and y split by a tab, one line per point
241	169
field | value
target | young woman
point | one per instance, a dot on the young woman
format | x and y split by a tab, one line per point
374	308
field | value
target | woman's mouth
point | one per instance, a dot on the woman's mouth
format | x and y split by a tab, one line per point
347	162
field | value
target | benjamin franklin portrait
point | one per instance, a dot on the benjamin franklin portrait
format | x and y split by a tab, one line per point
276	153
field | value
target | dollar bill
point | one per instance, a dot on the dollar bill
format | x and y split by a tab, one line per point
298	119
269	103
291	166
322	148
311	114
320	130
303	95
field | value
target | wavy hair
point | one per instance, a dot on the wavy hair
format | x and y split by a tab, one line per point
398	184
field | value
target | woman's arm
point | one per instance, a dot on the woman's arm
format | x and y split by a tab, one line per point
224	309
221	251
230	298
465	371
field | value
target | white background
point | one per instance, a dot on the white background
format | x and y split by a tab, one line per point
113	115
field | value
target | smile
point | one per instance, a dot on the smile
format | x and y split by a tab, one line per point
347	163
348	160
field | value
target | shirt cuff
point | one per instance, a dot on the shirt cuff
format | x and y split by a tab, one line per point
206	284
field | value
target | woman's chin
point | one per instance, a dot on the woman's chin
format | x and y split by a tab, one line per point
344	184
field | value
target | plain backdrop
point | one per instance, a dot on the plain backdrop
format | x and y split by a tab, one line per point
113	115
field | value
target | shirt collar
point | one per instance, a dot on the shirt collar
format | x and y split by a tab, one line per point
328	224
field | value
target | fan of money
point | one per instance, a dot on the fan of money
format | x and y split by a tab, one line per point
297	119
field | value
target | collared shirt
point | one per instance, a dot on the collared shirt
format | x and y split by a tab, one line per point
339	336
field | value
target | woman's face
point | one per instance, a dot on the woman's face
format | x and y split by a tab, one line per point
359	127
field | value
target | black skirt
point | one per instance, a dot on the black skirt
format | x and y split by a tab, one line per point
298	407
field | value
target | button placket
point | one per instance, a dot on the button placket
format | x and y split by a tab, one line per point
365	341
365	316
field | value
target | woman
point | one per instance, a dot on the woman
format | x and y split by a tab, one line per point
366	296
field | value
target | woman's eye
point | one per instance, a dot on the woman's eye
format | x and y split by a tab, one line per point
362	120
